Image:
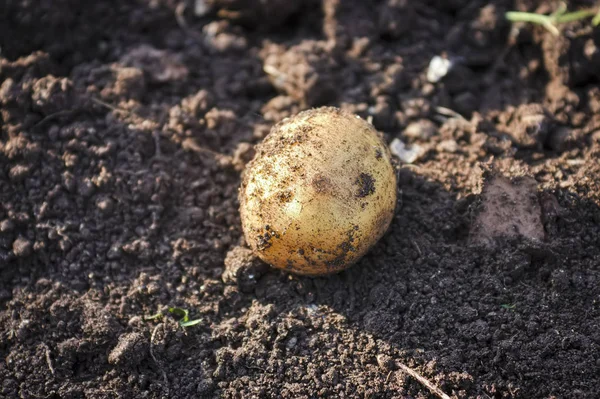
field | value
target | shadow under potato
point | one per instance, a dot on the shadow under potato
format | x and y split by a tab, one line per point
496	311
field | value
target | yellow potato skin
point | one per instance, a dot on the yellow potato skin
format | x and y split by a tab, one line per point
319	193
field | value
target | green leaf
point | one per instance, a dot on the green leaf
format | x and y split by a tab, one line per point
596	20
190	323
183	313
185	318
508	306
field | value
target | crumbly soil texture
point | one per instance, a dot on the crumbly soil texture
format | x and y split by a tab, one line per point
124	126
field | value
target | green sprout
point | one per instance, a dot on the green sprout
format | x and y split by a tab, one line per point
560	16
184	317
184	321
508	306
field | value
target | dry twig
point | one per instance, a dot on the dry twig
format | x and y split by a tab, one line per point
158	364
48	359
424	381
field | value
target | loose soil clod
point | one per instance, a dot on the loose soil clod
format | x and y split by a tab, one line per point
508	209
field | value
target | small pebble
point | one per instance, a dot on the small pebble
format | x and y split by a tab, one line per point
19	172
7	225
438	68
422	129
22	247
105	204
404	153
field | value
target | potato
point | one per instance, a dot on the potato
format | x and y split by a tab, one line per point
320	191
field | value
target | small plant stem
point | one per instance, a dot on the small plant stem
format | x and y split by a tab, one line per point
558	17
518	16
574	16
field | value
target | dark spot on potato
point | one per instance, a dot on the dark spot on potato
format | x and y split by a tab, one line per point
320	251
306	128
366	185
321	184
351	233
346	247
294	139
258	192
301	251
284	196
378	154
265	240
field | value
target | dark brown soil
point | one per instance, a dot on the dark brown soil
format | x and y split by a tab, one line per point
123	129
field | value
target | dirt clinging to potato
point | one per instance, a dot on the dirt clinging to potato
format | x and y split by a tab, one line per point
366	184
118	199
